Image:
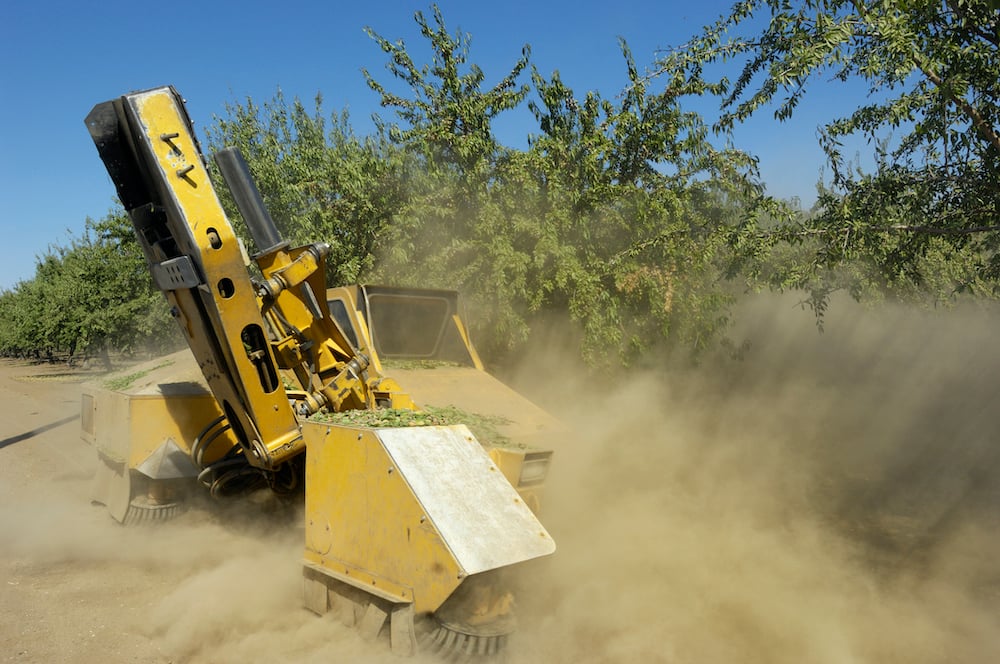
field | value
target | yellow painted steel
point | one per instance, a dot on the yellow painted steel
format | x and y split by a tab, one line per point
464	334
324	370
201	229
363	524
510	463
243	333
170	402
156	419
530	429
406	516
349	296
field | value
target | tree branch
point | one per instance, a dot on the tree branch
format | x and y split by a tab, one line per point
920	61
906	228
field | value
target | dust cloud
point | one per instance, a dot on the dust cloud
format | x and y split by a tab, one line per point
830	498
221	583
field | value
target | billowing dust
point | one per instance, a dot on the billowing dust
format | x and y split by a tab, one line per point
829	498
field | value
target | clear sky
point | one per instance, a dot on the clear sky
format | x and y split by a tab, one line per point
60	57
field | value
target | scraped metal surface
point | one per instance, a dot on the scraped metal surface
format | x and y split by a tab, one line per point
478	513
168	461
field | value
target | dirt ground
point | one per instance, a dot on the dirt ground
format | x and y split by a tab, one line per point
830	498
62	599
219	584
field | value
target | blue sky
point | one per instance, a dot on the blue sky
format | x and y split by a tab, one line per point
59	58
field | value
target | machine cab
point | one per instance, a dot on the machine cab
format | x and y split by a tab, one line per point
404	324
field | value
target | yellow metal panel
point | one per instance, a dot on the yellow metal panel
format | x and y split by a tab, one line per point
154	420
464	334
203	232
509	462
112	419
419	508
363	522
480	517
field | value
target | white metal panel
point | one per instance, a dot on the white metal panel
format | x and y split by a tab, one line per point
478	513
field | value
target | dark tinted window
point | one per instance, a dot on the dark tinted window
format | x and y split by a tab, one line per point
338	310
408	326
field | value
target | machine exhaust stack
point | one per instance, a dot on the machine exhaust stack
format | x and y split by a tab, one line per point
236	173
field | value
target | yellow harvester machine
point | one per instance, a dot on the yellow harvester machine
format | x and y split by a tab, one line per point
409	529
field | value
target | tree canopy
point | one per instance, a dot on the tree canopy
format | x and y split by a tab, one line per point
617	215
87	298
628	215
932	69
319	179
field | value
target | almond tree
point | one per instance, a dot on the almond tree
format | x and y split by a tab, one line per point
617	216
319	180
932	68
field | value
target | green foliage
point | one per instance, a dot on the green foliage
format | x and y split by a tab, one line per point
618	216
483	427
624	215
319	181
926	217
447	120
88	297
124	381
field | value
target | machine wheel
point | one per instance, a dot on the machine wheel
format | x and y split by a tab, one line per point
459	642
474	624
143	510
114	486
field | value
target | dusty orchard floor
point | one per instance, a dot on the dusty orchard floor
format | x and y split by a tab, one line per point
220	584
833	498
